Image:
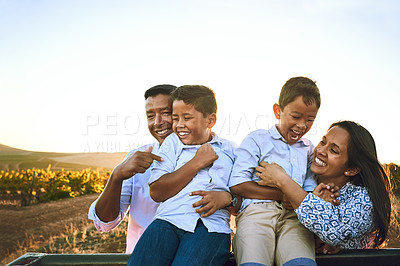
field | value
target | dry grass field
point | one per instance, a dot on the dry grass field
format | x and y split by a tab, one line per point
62	226
15	159
55	227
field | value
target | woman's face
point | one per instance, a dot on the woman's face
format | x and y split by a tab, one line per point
331	157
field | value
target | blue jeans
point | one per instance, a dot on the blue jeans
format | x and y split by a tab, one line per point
162	243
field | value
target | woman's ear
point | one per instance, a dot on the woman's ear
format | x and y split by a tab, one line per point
212	119
352	171
277	111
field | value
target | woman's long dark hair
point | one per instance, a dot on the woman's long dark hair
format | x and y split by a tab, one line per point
362	155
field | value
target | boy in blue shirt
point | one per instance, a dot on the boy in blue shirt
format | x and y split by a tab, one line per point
267	232
194	158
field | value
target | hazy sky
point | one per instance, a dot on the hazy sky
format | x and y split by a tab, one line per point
73	73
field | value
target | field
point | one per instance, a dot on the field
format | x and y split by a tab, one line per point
55	227
15	159
60	226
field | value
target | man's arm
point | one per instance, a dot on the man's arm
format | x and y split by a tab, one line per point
168	185
108	203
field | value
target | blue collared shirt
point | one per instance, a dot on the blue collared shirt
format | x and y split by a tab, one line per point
271	147
135	197
178	209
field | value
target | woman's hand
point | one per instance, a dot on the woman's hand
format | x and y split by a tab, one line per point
274	175
321	247
328	193
286	203
211	201
271	174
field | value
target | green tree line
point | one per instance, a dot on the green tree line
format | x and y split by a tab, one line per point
393	170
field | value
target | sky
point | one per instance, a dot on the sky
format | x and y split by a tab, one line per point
73	73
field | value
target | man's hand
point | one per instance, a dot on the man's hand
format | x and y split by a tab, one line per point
211	201
328	193
137	162
205	155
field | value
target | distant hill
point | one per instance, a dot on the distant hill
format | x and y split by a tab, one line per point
15	159
4	148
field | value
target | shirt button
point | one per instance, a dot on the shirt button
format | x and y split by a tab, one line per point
293	160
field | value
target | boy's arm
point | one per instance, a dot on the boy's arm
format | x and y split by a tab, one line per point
241	181
253	190
170	184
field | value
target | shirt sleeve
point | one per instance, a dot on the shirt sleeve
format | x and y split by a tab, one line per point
310	181
335	224
247	159
125	199
167	165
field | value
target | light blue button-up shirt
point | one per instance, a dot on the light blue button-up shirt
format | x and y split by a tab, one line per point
178	209
270	146
135	197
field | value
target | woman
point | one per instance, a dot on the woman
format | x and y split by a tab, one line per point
346	157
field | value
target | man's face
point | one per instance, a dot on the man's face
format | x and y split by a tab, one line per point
158	112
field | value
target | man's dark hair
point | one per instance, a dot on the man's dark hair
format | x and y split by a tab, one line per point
165	89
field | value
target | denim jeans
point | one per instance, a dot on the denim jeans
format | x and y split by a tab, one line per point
162	243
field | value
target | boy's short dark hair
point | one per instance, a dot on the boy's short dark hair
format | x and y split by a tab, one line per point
299	86
159	89
201	97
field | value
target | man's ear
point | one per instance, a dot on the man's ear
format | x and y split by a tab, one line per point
352	171
277	111
212	119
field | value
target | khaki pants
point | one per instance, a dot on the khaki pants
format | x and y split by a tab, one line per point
267	233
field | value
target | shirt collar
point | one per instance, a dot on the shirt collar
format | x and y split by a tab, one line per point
276	135
215	140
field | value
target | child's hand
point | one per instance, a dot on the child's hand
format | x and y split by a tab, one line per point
211	201
205	155
321	247
328	193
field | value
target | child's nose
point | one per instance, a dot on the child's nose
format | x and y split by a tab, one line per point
301	124
180	123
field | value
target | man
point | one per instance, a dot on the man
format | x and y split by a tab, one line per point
127	186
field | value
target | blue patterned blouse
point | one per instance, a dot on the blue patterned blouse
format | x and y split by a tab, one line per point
348	225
